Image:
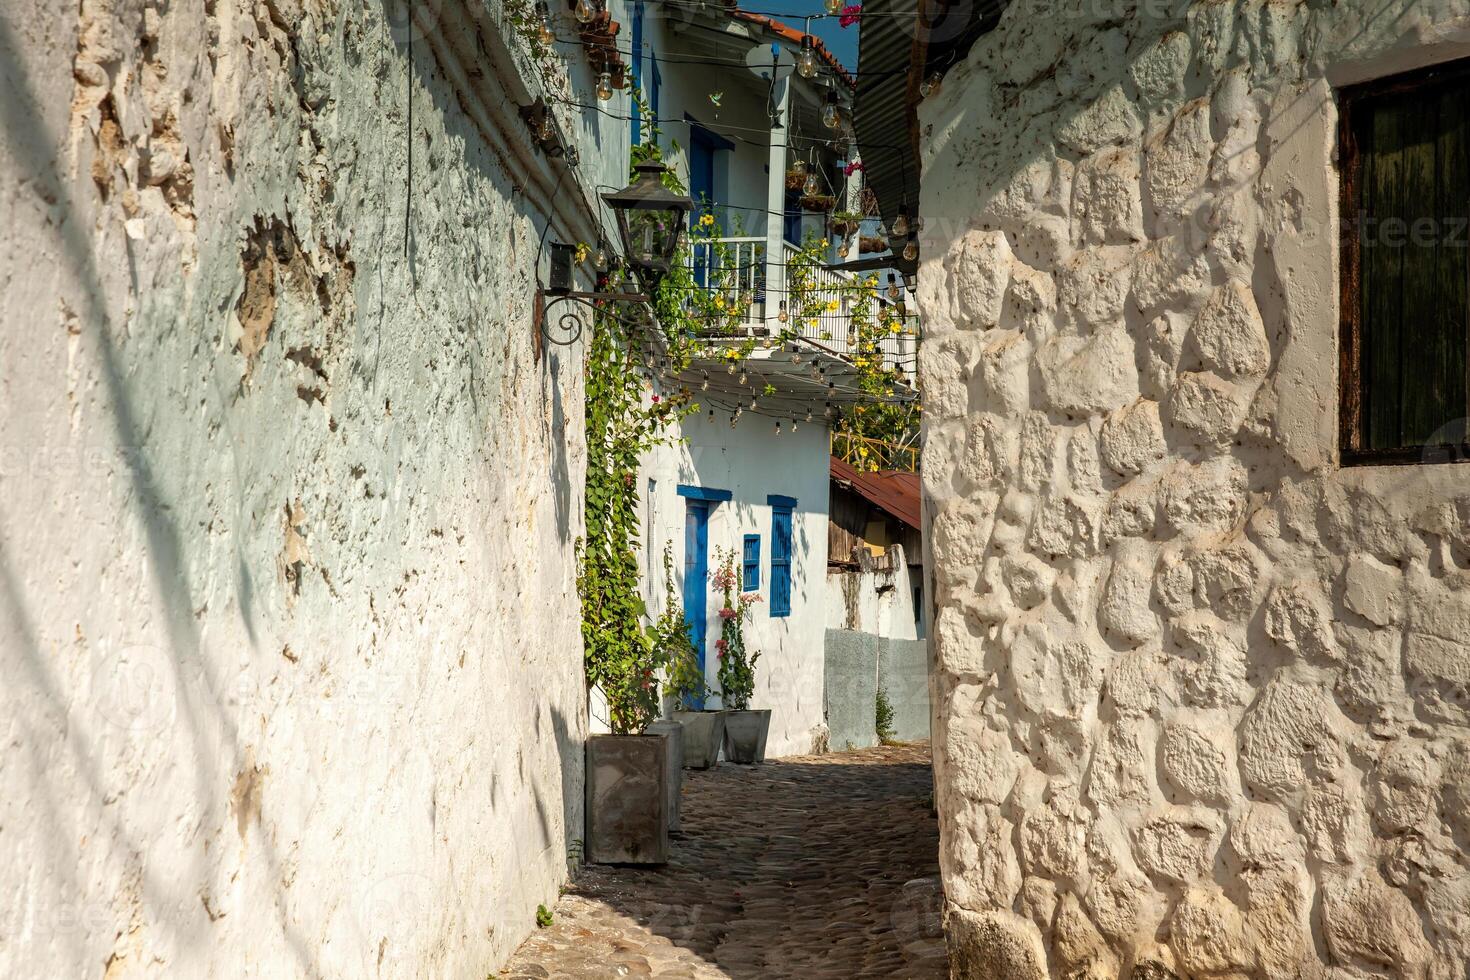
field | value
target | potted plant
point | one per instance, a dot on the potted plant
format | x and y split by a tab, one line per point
628	770
820	203
685	688
845	223
745	728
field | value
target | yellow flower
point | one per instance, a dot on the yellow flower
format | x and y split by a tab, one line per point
825	243
895	329
832	306
706	220
720	302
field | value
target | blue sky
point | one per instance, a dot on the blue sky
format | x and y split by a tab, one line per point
842	42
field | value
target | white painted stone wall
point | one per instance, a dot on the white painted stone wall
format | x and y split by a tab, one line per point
752	463
877	600
1200	693
290	673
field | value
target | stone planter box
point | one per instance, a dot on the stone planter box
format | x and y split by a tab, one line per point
675	734
704	734
745	735
627	799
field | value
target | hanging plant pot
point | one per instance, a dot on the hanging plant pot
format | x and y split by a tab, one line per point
745	735
842	229
627	799
704	734
821	203
795	180
872	243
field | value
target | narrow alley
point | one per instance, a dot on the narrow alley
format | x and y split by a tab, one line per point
818	866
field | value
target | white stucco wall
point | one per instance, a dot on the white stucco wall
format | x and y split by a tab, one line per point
752	463
1200	691
879	601
292	677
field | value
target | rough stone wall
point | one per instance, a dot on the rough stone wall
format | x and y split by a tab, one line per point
1201	694
288	634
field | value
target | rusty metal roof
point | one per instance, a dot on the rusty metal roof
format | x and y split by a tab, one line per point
894	492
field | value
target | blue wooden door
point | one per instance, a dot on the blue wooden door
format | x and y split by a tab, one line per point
696	576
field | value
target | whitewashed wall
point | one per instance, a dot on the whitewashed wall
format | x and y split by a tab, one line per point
1200	691
879	601
290	673
752	463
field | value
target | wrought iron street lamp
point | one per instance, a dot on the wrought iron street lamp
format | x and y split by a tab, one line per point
650	219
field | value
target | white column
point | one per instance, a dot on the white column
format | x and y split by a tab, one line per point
776	206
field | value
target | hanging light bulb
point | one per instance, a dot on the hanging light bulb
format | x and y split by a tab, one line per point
808	415
585	11
806	61
843	249
778	427
704	382
930	85
544	33
730	368
752	403
816	371
793	425
736	417
832	111
599	256
911	249
901	223
783	316
742	379
812	185
893	292
711	416
833	7
827	412
604	87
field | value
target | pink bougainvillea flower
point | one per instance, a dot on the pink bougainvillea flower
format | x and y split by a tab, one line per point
727	613
853	168
749	597
655	399
720	645
850	15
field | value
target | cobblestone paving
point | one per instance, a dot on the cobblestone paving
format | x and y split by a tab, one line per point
822	866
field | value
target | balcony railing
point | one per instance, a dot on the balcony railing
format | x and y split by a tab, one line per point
737	267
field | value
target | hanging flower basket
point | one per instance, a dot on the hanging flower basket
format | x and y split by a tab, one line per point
872	243
821	203
795	180
845	223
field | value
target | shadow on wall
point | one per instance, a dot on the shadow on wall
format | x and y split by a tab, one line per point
204	722
66	749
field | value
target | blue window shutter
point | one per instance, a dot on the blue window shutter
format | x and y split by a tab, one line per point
752	580
780	560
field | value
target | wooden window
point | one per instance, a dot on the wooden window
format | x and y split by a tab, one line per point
781	511
752	563
1406	267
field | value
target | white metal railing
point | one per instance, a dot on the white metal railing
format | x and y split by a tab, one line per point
736	266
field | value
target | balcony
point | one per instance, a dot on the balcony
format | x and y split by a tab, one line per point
736	266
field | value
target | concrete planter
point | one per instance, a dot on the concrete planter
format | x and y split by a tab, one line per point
704	733
627	799
745	735
675	734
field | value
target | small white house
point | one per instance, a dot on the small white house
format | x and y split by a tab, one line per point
750	471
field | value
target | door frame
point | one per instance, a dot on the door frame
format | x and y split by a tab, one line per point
699	504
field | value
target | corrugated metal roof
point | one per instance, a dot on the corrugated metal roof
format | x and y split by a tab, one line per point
894	56
891	491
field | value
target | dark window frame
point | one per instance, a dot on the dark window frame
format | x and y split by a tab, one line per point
1352	382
